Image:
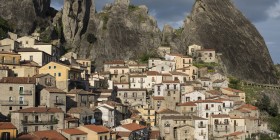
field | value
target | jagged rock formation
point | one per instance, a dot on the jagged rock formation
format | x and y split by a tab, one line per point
25	15
119	31
172	38
219	25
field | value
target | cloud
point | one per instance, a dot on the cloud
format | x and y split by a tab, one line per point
274	11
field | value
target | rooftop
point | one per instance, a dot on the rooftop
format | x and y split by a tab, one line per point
167	111
97	128
40	110
133	126
6	125
74	131
54	90
18	80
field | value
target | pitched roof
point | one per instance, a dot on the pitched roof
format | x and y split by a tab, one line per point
133	126
39	135
5	52
74	131
248	106
18	80
167	111
7	125
187	104
180	117
220	116
214	92
158	98
234	134
97	128
54	90
154	73
40	110
80	110
206	50
232	90
178	73
218	81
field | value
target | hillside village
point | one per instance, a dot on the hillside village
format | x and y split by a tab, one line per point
46	95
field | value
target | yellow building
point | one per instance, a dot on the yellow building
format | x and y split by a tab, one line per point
97	132
9	58
183	61
7	131
148	114
63	74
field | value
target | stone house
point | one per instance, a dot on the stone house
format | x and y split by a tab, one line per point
137	68
219	125
8	45
191	71
206	55
153	77
192	96
163	50
121	85
74	134
156	102
108	114
193	49
8	58
5	72
206	83
205	108
132	96
84	114
80	98
156	64
108	64
37	119
200	128
20	93
230	91
86	63
53	97
179	76
187	108
26	41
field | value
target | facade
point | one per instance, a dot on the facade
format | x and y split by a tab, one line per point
8	45
230	91
86	63
132	131
193	49
138	81
108	64
132	96
7	131
84	114
37	119
206	55
74	134
9	58
53	97
20	93
38	56
97	132
156	64
64	74
162	50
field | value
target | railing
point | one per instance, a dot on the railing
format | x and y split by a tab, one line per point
13	102
37	122
25	92
9	61
201	125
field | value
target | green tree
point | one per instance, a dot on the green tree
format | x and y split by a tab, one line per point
264	103
273	110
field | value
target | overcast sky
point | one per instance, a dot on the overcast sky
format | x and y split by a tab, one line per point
265	15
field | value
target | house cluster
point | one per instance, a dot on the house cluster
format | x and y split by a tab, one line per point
45	95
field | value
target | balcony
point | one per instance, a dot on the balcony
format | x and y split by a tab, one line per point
201	125
37	122
59	102
9	62
13	102
25	92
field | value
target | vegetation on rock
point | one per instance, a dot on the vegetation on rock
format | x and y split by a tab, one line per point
4	28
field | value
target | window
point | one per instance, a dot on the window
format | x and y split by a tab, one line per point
14	60
50	67
212	105
25	129
59	74
10	108
168	93
36	128
167	86
122	71
10	99
54	67
125	94
105	137
20	90
51	127
174	86
54	74
11	88
78	138
206	115
100	138
31	57
20	107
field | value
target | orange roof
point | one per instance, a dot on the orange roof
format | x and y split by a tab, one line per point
220	116
97	128
133	126
153	73
74	131
248	106
154	134
234	134
6	125
232	90
187	104
158	98
39	135
40	110
167	111
18	80
214	92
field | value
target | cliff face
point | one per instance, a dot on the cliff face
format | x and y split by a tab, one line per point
219	25
119	31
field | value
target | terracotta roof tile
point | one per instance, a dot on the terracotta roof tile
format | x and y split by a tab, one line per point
74	131
18	80
158	98
154	73
97	128
234	134
187	104
40	110
167	111
133	126
54	90
214	92
39	135
248	106
7	125
137	75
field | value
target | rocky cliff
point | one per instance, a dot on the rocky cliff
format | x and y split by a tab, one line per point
119	31
219	25
26	15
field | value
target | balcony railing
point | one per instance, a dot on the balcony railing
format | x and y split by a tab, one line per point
13	102
37	122
9	62
201	125
25	92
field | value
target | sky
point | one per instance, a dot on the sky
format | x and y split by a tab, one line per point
264	14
